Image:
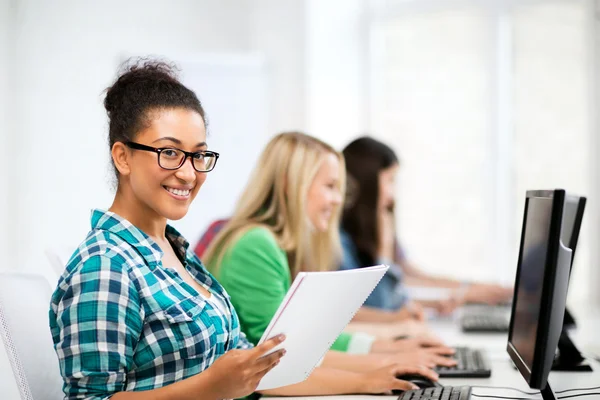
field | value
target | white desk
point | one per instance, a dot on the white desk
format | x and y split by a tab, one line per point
503	372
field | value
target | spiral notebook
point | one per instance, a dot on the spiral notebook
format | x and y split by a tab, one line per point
312	315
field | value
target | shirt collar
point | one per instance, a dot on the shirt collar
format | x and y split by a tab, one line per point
148	249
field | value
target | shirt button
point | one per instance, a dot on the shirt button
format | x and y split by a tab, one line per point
189	314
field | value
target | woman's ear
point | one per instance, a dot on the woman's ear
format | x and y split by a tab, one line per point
120	156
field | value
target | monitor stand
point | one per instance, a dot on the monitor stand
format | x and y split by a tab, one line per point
547	393
569	358
569	320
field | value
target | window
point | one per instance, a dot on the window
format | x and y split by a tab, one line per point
482	101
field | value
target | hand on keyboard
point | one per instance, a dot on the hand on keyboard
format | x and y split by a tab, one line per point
407	344
384	380
487	294
470	364
429	357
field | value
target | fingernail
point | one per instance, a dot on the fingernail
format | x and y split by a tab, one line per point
281	337
414	387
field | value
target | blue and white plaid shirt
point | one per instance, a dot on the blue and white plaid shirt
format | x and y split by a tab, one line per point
121	321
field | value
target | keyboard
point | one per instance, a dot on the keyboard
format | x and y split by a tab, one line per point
485	318
438	393
471	363
494	323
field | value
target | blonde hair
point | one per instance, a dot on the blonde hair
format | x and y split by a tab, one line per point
275	198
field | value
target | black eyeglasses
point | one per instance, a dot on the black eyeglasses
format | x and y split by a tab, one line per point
172	158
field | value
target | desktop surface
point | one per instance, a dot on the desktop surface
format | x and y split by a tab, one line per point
504	373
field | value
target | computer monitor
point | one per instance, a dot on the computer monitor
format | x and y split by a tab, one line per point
541	285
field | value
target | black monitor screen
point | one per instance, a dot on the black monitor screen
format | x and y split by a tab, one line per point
529	293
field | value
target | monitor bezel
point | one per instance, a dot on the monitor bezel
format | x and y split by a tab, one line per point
535	377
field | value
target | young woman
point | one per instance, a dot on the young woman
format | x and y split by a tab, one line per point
285	222
369	236
135	314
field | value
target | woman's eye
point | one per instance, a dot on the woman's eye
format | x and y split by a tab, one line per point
170	153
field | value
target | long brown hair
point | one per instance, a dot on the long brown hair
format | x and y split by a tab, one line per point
365	158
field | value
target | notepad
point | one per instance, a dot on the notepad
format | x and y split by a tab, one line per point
312	315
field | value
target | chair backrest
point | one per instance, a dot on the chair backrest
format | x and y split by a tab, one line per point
58	257
25	331
207	237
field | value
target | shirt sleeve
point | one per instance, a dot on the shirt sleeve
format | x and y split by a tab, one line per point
360	343
254	272
95	327
350	258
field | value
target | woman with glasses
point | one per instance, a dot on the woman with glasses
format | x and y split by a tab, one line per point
286	221
135	314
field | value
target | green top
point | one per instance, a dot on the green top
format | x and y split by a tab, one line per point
256	274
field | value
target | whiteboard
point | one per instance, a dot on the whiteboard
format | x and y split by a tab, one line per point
233	92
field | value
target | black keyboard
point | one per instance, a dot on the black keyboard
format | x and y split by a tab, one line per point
471	363
485	323
438	393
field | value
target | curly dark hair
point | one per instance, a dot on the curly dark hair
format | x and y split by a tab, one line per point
143	86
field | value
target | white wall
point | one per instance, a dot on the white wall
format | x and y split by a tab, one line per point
337	101
278	33
5	138
7	383
66	56
317	65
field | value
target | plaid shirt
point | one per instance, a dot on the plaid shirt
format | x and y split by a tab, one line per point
121	321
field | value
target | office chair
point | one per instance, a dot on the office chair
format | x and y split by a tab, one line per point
58	257
25	332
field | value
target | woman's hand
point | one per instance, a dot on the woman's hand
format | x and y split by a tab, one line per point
410	310
428	357
237	373
444	306
488	294
384	380
410	344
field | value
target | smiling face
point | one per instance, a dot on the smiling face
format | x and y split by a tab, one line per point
166	193
324	195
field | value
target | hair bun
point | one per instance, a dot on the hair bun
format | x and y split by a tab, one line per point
135	74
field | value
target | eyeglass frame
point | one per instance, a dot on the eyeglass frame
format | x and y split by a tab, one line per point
158	150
